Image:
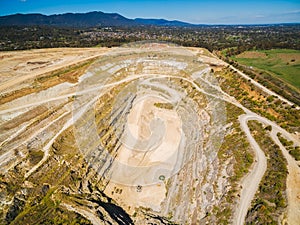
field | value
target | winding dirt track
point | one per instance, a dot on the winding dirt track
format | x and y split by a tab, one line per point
268	91
293	184
249	184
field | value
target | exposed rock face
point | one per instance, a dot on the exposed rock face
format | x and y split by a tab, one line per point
132	141
135	141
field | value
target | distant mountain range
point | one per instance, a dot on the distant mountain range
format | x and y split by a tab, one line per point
162	22
90	19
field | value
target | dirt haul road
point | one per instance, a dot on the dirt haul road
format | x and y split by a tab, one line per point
16	74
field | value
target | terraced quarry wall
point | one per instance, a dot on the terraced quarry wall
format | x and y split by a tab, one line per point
132	135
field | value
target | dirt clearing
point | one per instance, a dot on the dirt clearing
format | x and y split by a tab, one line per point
252	55
19	66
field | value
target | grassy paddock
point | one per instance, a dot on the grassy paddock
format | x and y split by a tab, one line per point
283	63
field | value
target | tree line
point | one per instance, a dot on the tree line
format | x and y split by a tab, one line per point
235	38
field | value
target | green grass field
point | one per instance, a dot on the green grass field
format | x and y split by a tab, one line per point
283	63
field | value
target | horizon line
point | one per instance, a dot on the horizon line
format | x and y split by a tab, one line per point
155	18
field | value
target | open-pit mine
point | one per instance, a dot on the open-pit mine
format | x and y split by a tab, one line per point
147	133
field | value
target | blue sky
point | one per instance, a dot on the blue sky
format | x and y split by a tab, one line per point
194	11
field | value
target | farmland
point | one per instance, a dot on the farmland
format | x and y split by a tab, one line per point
282	63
